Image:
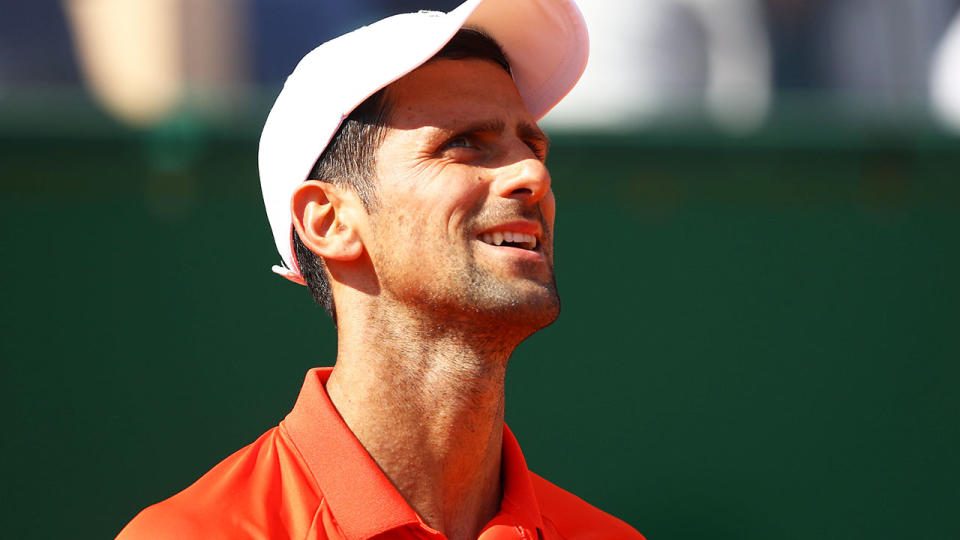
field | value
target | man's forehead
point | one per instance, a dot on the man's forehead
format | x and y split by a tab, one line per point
452	92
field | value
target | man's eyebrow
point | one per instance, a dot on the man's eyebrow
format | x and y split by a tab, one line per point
525	130
484	126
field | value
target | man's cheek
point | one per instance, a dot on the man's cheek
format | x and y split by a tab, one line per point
548	206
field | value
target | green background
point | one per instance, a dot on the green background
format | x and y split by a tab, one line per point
759	336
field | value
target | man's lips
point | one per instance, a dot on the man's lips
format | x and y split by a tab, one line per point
519	234
511	239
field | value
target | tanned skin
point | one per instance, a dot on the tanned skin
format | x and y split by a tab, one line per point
428	310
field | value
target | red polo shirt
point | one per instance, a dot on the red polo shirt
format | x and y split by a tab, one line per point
310	478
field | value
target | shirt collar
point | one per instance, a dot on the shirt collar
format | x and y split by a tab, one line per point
361	498
519	498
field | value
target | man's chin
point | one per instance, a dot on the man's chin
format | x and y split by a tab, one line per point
530	309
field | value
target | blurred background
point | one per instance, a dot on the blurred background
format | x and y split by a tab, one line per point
759	208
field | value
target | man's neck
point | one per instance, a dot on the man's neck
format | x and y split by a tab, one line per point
428	406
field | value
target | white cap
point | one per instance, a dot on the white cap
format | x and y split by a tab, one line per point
545	42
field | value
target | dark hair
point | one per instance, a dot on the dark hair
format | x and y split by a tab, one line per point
349	160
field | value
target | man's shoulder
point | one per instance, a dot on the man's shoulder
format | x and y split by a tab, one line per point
575	519
245	495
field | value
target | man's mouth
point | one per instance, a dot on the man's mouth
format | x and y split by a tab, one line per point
510	239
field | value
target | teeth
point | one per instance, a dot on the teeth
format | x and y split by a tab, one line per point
528	240
497	238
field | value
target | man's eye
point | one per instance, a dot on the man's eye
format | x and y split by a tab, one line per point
460	142
539	149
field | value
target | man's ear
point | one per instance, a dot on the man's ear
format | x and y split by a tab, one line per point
325	217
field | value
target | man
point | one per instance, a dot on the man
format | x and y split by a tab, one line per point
422	222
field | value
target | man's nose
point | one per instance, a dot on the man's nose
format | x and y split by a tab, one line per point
526	178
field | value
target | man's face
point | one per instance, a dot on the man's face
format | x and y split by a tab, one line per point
464	224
